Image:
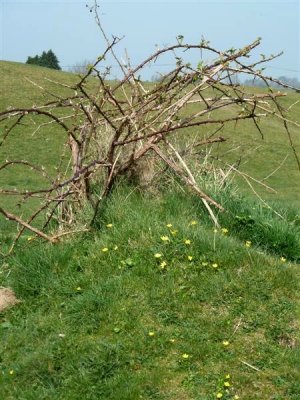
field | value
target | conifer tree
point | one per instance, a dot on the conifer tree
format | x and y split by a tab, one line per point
46	59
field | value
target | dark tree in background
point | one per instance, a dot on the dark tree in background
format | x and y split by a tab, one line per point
47	59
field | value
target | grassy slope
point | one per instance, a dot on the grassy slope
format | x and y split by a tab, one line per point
259	157
19	90
40	148
114	324
270	159
82	329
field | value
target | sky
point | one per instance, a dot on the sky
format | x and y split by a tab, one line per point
68	28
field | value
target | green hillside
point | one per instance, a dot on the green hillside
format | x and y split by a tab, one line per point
270	159
154	302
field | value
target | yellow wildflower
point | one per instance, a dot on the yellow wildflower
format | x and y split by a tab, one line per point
11	372
174	232
163	265
226	384
169	225
187	242
105	249
225	343
204	263
215	230
219	395
151	333
215	265
190	258
157	255
283	259
165	238
224	231
185	356
248	243
109	225
78	289
236	397
193	222
116	247
227	376
172	340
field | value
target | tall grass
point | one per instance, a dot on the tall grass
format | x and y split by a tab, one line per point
125	313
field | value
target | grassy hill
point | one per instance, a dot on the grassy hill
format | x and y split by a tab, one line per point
270	159
154	303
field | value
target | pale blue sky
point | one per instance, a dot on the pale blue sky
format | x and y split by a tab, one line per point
67	27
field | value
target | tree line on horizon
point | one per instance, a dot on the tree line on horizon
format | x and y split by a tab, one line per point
46	59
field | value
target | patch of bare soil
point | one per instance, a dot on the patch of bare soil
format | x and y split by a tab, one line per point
7	299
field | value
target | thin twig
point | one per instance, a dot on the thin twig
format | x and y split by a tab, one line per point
251	366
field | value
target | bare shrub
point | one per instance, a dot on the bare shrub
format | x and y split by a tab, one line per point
130	128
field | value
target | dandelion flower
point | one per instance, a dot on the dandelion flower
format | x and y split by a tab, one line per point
78	289
163	265
227	376
226	384
185	356
190	258
11	372
215	265
224	231
187	242
165	238
248	243
193	222
109	225
30	238
151	333
219	395
169	225
225	343
105	249
174	233
157	255
236	397
283	259
204	263
172	340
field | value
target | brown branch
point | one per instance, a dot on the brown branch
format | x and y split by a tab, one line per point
113	126
184	126
188	181
7	132
13	217
244	51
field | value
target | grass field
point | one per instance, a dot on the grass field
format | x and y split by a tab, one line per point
155	303
145	310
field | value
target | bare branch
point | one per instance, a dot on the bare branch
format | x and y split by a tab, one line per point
118	129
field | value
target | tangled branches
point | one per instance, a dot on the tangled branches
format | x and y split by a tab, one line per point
111	127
